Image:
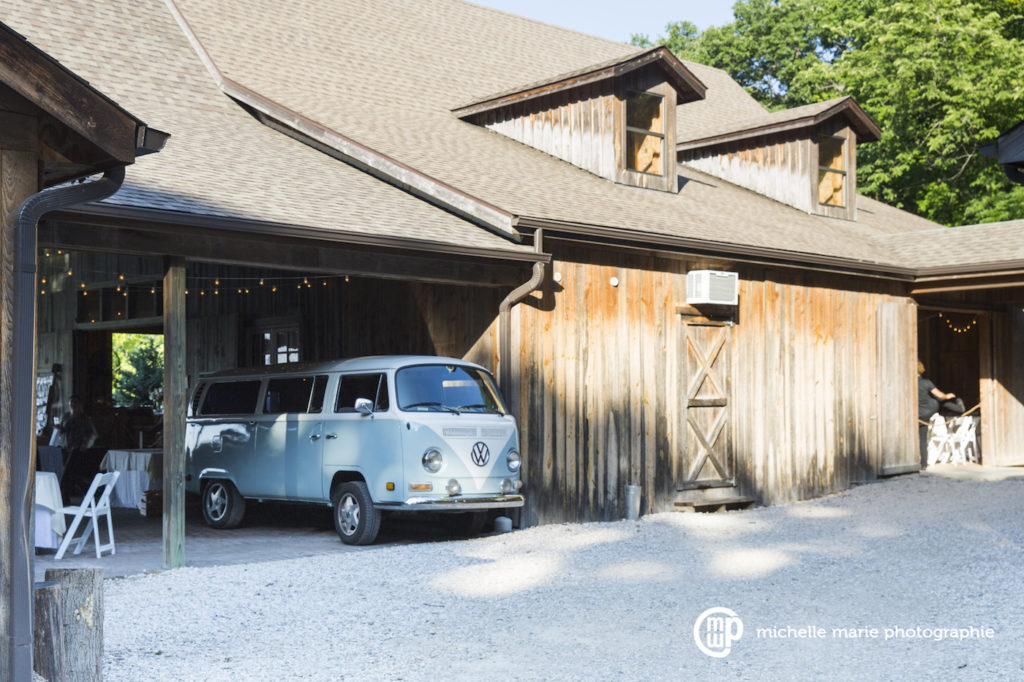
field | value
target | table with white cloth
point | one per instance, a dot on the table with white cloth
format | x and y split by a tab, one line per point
49	511
140	470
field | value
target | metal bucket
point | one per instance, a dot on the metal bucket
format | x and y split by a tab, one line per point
632	502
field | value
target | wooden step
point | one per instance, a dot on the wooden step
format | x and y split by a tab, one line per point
723	504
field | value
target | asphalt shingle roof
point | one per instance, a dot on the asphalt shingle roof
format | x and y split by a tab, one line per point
219	161
387	73
445	53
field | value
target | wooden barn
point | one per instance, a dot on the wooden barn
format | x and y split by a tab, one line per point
543	202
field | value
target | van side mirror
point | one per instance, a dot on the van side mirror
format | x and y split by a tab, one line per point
364	406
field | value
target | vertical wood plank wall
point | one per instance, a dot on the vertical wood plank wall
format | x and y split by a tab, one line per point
577	126
778	166
599	399
1002	391
822	378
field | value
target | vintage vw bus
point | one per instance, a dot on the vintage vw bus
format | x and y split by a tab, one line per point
364	436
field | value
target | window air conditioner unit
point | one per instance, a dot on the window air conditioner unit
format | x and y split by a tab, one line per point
712	287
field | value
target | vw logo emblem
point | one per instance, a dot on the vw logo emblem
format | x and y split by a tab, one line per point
481	454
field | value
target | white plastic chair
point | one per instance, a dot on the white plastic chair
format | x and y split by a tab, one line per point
939	445
96	503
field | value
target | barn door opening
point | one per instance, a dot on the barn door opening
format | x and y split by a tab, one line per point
709	460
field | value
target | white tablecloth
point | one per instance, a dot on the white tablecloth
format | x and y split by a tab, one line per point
50	524
140	471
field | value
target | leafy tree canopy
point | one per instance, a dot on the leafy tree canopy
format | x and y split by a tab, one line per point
138	368
941	78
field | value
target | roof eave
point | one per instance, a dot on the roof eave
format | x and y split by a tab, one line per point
867	130
72	101
686	84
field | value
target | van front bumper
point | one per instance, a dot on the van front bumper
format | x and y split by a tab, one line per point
457	503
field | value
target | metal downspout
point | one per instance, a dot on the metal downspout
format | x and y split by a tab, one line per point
23	409
505	318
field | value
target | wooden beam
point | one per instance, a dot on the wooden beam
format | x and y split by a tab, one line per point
995	282
175	403
250	250
48	85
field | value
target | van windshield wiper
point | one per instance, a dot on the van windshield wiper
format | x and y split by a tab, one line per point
435	404
477	406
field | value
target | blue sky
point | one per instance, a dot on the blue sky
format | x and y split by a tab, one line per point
619	19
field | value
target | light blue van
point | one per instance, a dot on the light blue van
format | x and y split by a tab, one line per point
364	436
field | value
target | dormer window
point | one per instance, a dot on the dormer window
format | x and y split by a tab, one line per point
832	171
645	133
616	119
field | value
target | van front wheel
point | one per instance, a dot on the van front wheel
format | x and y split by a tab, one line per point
355	518
223	506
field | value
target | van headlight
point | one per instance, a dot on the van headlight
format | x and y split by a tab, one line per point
513	460
432	460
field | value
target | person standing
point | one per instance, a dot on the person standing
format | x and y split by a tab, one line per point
77	434
929	400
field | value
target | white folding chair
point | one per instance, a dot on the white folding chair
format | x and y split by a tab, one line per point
96	503
939	446
963	442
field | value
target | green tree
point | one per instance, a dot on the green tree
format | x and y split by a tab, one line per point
138	368
941	77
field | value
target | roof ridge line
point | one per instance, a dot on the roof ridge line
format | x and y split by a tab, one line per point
344	148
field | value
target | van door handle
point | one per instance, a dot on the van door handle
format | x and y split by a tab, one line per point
331	436
314	436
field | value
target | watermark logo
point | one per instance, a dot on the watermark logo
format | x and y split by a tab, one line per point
716	630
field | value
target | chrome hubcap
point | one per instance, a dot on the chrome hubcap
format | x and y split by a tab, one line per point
348	514
216	501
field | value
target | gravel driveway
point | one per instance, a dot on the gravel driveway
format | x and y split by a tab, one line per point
933	565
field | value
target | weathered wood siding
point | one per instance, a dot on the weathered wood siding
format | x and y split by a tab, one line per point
777	167
783	166
586	126
577	126
335	318
1002	389
822	383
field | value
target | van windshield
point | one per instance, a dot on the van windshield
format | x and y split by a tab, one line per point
447	388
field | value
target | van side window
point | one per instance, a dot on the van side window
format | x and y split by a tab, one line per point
319	389
195	398
373	387
231	397
287	395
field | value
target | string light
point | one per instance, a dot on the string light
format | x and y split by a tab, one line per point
957	328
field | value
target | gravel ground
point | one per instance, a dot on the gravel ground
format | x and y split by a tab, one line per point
614	600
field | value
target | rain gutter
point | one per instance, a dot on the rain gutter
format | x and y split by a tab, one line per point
515	296
22	354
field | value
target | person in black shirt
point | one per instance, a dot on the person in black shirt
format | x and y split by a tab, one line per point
929	399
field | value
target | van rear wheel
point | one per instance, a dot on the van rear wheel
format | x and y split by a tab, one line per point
355	518
223	505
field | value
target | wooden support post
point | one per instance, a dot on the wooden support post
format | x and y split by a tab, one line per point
175	404
18	181
81	621
48	649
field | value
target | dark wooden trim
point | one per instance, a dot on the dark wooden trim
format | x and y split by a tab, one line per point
149	219
990	282
867	129
606	236
51	87
688	86
280	253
